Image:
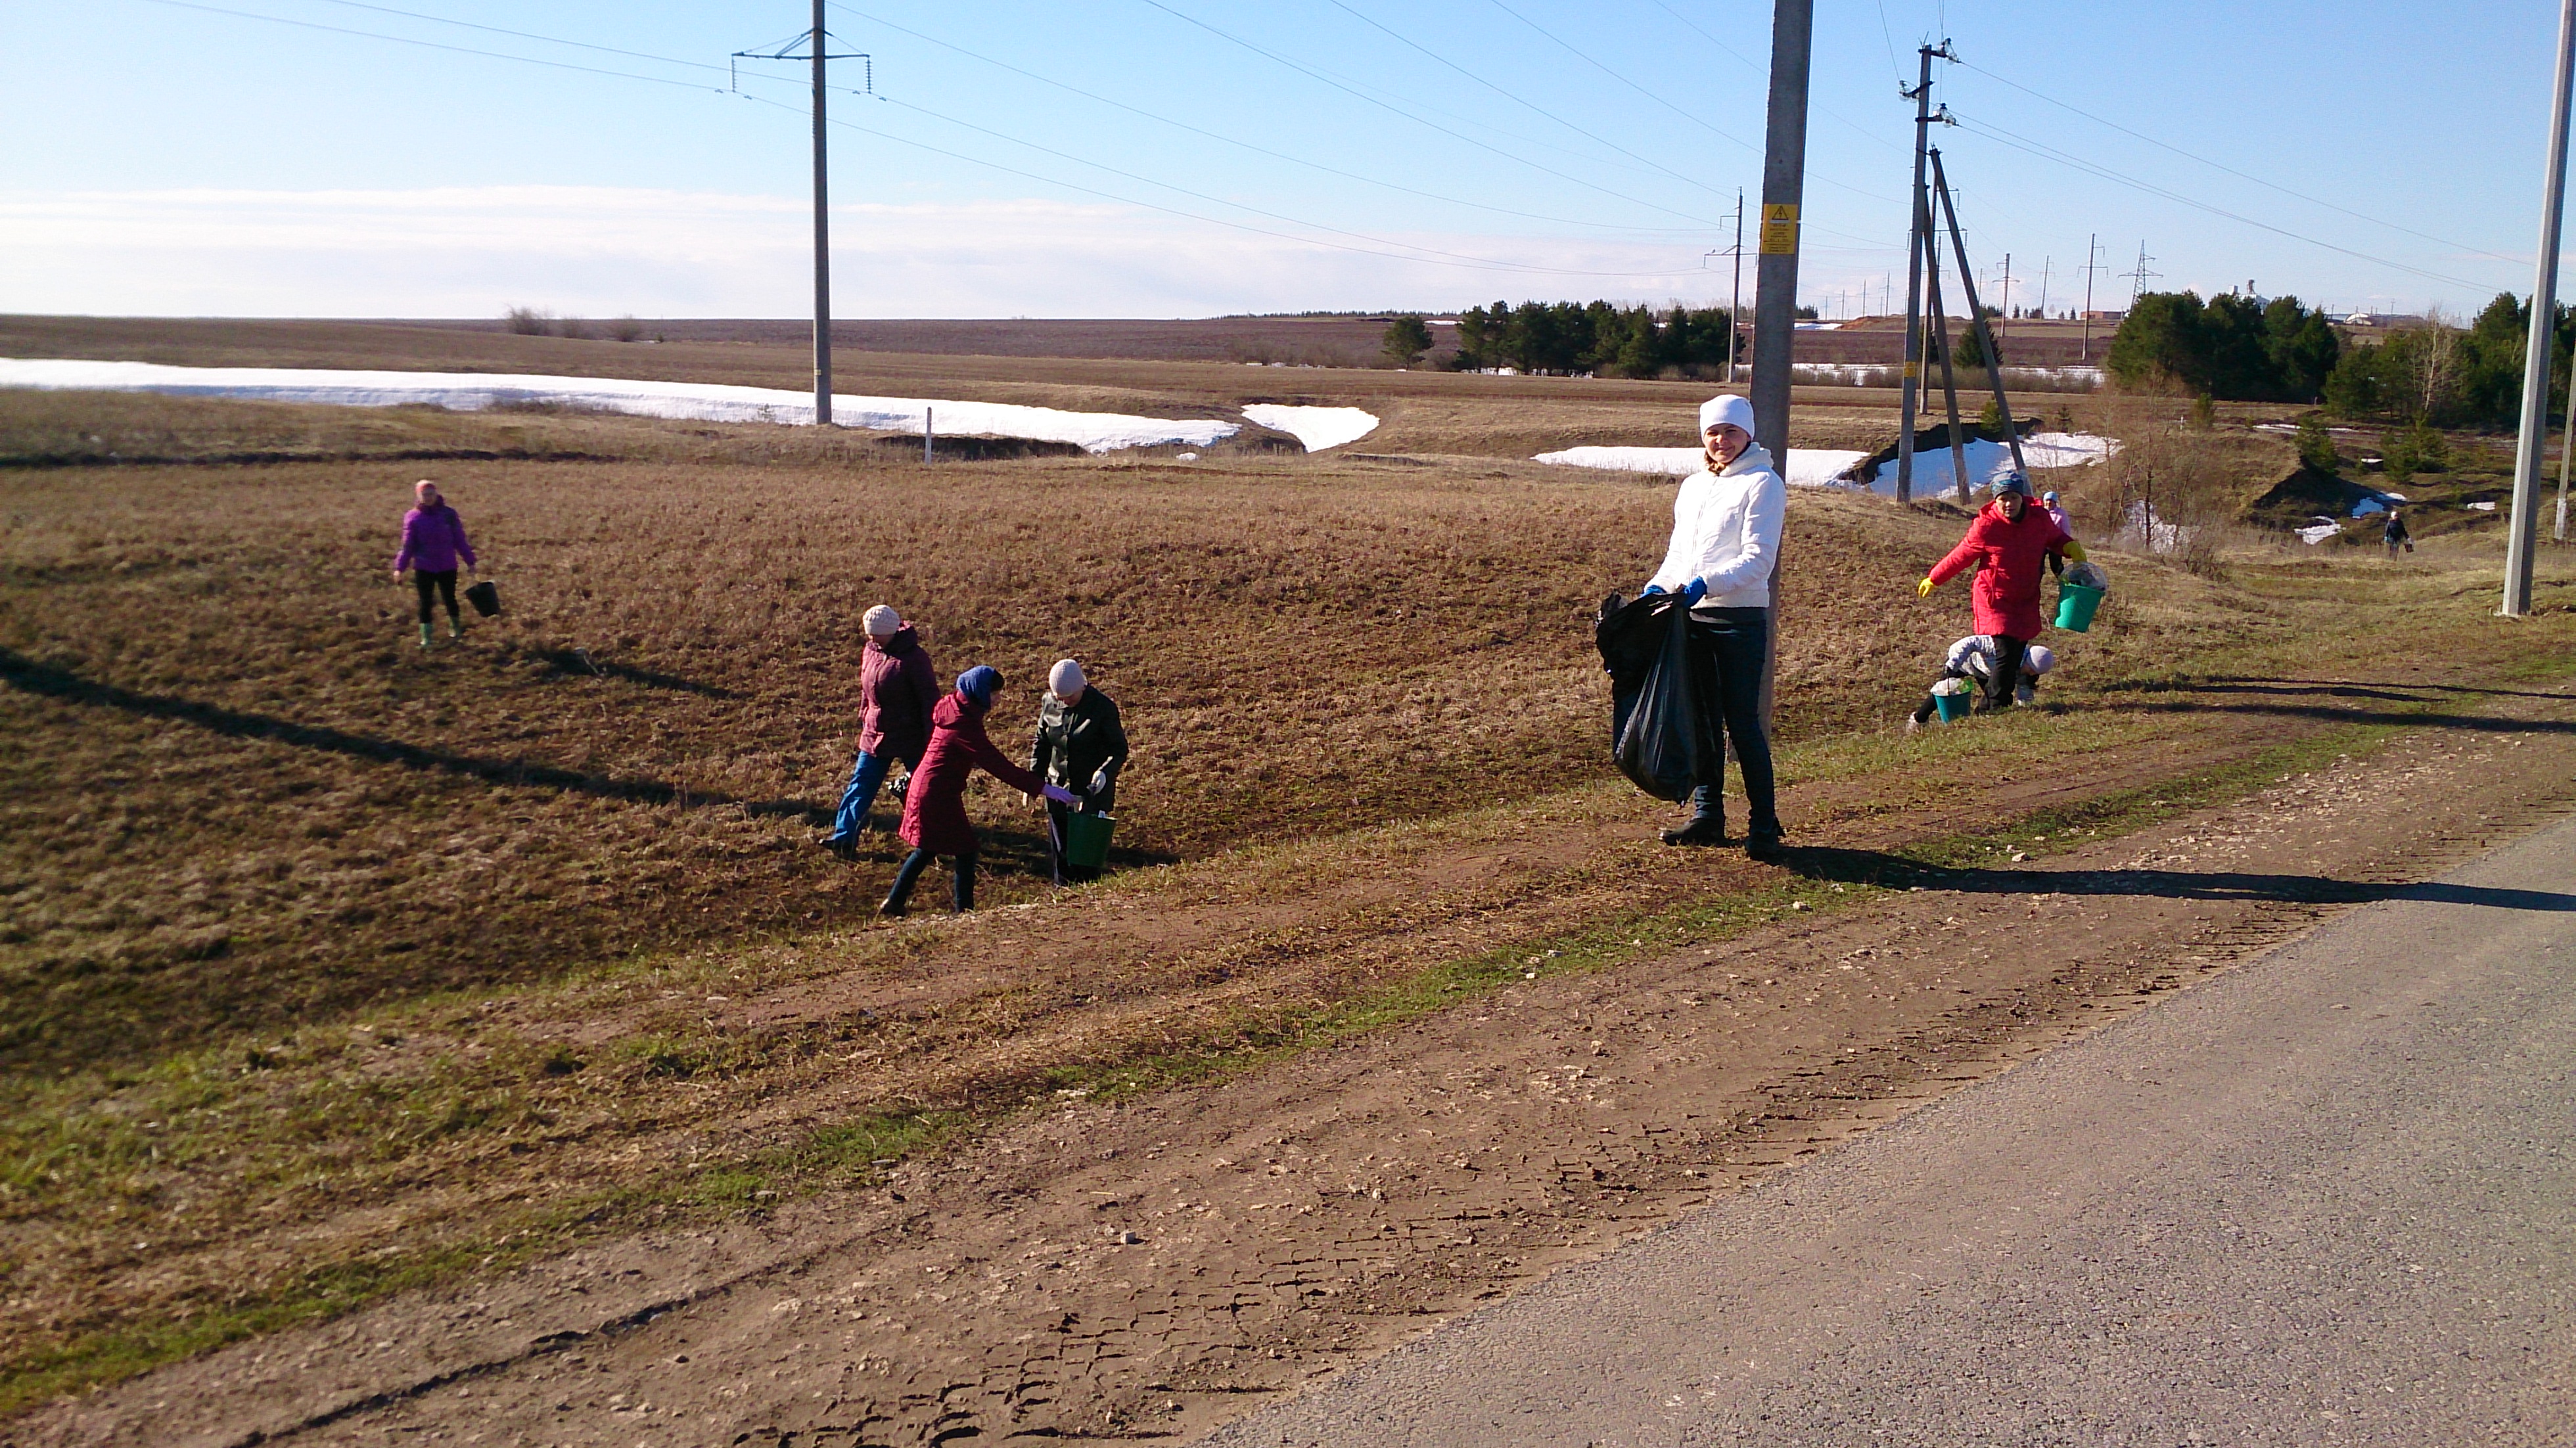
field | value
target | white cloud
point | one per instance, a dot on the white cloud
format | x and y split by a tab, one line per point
596	251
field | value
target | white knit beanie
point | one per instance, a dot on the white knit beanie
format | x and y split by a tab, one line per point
1065	679
2038	659
1726	407
882	621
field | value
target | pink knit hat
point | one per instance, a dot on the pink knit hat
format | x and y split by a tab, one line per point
426	491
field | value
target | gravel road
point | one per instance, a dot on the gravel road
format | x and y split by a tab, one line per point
2327	1199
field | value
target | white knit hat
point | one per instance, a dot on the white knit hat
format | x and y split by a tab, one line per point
1726	407
1065	680
882	621
2038	659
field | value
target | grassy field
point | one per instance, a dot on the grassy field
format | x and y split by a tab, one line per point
323	955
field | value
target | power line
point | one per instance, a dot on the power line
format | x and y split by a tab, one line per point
2050	153
1486	265
1246	145
1569	48
524	35
1311	73
1459	259
1519	100
2240	175
452	49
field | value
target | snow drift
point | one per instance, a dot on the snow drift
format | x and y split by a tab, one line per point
704	401
1317	427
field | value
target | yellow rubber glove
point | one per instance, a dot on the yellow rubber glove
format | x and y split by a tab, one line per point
2074	551
1924	589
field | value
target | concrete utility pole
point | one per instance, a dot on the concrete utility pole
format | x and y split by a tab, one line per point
2544	317
2092	264
822	243
1775	278
1735	307
1917	237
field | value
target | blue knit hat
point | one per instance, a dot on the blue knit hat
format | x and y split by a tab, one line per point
980	684
2012	483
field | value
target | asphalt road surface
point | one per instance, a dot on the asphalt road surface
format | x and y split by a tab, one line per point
2327	1199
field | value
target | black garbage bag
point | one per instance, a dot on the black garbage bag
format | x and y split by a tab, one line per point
1659	734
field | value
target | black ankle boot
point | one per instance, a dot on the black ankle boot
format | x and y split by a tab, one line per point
1708	829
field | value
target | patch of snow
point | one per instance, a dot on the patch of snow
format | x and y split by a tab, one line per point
1808	467
1317	427
2157	535
705	401
2067	449
2485	507
2318	534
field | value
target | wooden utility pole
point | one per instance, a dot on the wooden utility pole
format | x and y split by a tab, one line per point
2519	541
1775	277
1735	307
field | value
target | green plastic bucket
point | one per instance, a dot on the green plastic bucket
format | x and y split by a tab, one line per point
2075	605
1086	839
1952	707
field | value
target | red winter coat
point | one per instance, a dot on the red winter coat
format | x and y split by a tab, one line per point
897	691
2015	559
934	807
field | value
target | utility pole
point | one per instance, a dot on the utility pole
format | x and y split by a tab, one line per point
1977	315
1735	308
1917	238
2092	264
2544	317
2045	263
817	40
822	241
1775	282
2004	322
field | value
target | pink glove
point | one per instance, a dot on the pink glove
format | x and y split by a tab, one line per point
1060	795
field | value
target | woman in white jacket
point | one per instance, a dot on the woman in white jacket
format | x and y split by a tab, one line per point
1726	540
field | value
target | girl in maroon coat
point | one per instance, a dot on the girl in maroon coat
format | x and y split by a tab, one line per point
934	808
2009	545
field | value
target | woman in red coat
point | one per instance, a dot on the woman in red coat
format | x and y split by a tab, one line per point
2009	545
934	807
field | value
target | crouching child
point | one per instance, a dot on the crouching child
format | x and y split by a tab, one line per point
1973	659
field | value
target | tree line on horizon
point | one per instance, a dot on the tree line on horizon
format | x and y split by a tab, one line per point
1601	338
2245	349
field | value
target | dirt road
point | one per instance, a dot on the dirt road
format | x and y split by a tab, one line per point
2327	1199
1157	1266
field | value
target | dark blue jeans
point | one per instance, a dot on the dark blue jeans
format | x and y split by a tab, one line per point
1731	644
867	776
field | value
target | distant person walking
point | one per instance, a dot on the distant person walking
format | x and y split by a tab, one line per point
934	807
2005	544
433	539
897	690
1080	746
2048	501
2393	533
1726	540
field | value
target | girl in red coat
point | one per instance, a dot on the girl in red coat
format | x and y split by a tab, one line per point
934	808
2012	540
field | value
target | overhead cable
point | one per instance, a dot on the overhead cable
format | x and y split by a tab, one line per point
2244	175
1247	145
2050	153
1310	72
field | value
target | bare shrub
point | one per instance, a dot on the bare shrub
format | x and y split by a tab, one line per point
528	321
573	327
626	328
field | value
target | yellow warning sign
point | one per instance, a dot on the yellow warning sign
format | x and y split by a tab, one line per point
1779	230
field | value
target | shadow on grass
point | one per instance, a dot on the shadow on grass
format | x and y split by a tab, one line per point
1874	867
47	681
580	662
2422	693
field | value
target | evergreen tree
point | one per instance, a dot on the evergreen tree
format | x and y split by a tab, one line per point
1407	338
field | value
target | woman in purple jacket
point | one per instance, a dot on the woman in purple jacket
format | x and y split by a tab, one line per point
433	539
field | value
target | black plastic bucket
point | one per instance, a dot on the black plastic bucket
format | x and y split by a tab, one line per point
486	597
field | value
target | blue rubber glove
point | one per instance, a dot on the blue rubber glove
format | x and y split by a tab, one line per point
1651	590
1693	592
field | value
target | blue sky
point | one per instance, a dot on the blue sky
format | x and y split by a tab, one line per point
1023	158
